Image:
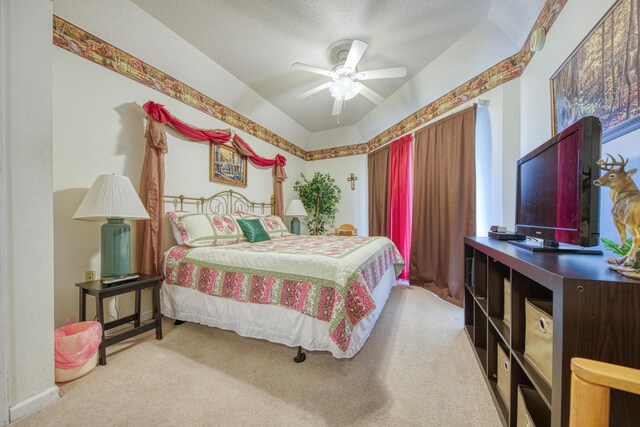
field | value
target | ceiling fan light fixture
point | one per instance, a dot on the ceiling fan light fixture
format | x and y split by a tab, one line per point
344	87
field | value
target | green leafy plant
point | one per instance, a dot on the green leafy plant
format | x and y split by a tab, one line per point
320	197
620	249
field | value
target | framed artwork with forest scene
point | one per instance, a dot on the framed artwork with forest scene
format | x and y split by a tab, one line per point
600	77
226	165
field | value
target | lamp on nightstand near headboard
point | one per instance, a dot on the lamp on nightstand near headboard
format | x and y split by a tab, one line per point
295	209
114	198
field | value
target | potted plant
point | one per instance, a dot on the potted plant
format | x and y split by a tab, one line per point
320	197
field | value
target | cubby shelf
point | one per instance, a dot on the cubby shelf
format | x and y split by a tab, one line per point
595	315
503	412
501	328
536	379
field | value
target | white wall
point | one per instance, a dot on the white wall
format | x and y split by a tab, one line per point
128	27
99	128
510	150
353	206
341	135
574	23
26	239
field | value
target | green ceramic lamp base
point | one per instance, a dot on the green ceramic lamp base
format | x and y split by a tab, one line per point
295	226
116	248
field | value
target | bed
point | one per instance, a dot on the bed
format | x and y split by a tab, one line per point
322	293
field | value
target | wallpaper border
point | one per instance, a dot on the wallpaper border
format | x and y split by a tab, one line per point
82	43
503	72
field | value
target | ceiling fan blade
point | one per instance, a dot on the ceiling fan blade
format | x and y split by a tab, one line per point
371	95
337	106
312	91
385	73
355	53
312	69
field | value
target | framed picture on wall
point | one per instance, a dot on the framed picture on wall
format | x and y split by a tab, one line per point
226	165
600	77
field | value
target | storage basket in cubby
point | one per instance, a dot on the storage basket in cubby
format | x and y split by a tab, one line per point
538	337
532	412
504	374
506	316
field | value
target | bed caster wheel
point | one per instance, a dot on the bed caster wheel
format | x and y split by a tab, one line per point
300	357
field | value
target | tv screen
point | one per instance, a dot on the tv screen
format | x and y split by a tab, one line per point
556	200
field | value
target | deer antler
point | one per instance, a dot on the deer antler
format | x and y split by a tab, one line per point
611	163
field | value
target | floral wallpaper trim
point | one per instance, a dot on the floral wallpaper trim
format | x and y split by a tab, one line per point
500	73
82	43
333	152
88	46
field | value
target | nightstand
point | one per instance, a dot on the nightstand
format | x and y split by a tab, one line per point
100	292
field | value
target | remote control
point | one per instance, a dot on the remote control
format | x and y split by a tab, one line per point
114	280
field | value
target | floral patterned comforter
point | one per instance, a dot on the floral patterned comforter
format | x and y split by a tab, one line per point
330	278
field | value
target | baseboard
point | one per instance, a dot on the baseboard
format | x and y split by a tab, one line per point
34	403
146	315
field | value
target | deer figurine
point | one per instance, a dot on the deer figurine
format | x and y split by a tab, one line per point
626	203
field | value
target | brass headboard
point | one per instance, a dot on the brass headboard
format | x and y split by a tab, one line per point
224	202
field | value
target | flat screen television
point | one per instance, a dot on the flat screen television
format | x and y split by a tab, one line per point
556	201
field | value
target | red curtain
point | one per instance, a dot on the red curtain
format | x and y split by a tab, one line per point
150	232
220	136
401	197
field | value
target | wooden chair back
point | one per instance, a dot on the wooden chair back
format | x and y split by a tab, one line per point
591	384
346	230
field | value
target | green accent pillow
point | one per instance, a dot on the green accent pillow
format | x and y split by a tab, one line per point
254	231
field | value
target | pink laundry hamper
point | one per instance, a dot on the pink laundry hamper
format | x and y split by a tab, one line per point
76	349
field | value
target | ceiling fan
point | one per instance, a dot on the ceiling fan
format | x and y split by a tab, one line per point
345	55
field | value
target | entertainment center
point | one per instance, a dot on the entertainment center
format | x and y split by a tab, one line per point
596	315
531	306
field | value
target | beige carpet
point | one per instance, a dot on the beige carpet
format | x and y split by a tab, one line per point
416	369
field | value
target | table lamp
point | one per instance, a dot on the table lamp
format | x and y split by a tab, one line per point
112	197
295	209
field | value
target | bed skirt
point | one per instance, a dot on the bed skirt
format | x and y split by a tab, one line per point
272	323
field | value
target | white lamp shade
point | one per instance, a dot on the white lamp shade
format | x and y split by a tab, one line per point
296	208
111	196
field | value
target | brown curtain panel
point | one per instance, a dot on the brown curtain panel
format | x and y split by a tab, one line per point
150	233
444	204
378	192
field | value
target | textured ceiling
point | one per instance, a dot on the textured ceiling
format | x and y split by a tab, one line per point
257	41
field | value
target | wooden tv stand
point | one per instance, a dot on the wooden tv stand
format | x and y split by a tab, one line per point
596	315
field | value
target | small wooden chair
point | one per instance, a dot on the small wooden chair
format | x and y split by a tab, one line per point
346	230
591	384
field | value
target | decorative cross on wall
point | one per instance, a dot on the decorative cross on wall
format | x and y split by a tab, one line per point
352	179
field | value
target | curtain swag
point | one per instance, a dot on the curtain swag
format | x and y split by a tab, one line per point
150	232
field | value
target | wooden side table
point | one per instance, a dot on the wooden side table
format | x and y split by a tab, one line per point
100	292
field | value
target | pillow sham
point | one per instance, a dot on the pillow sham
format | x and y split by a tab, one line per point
200	229
273	224
254	230
176	232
